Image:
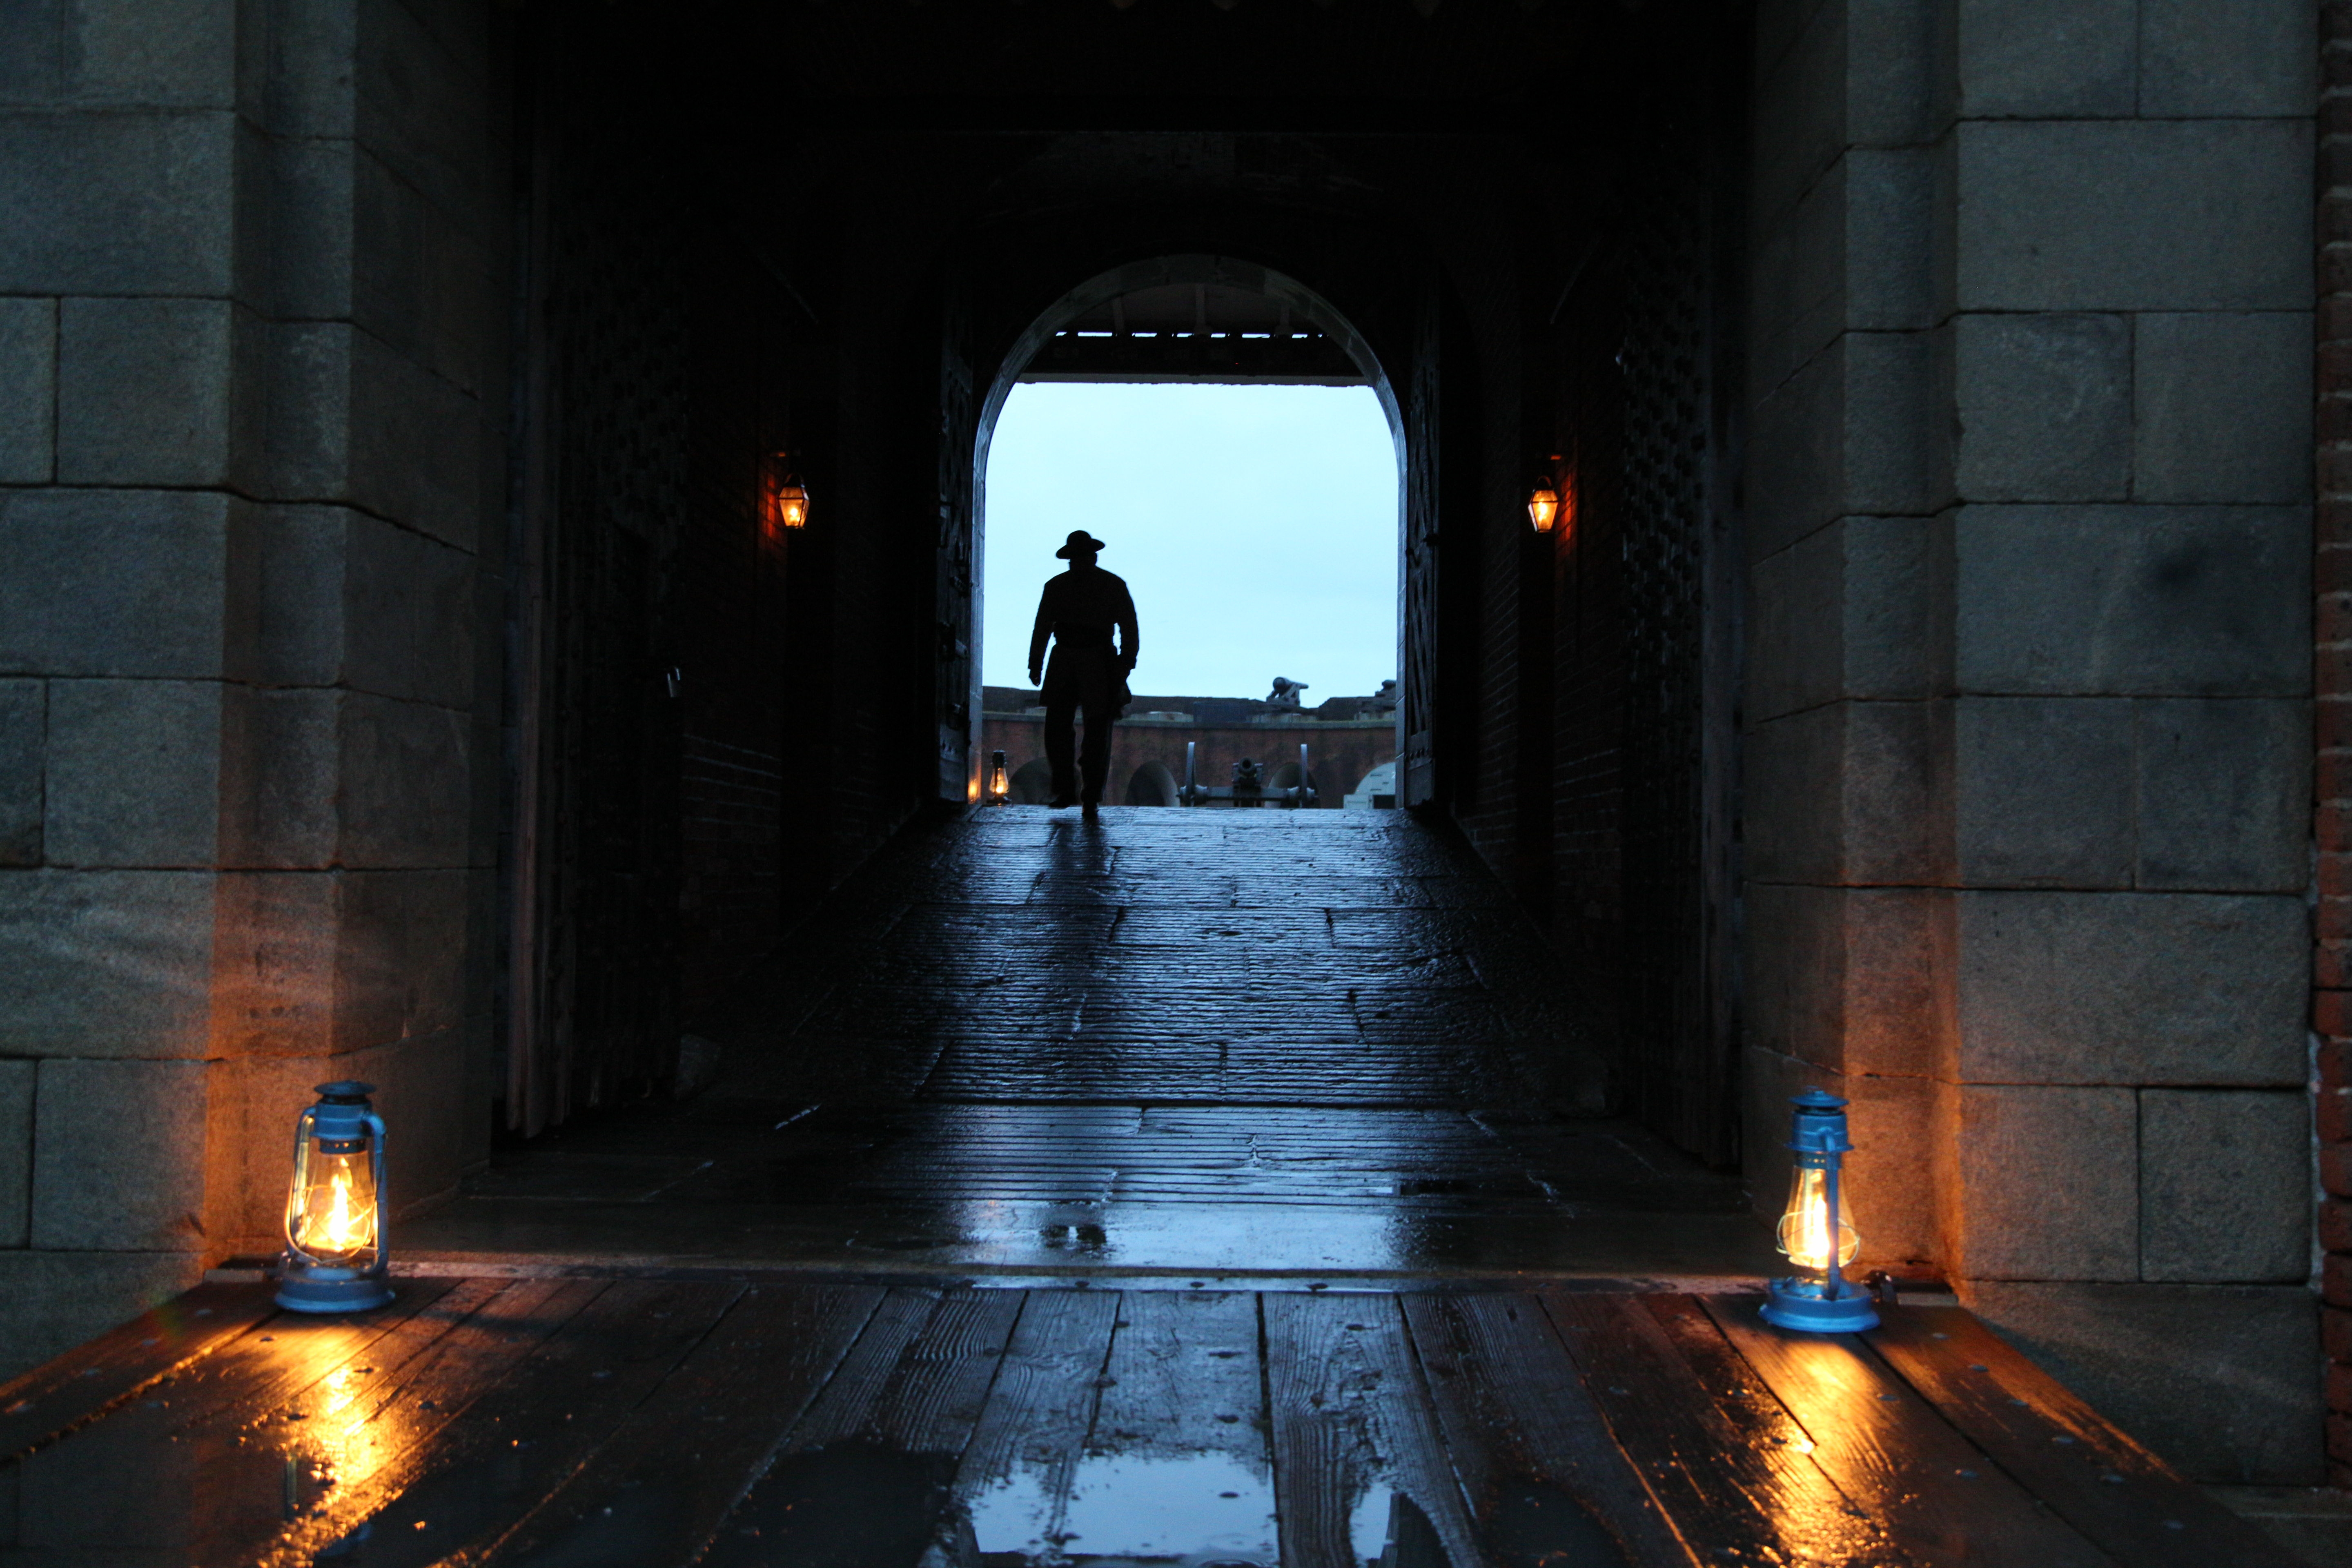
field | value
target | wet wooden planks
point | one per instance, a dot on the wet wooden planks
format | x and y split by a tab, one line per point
541	1422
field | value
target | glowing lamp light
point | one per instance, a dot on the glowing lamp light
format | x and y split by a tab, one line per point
335	1260
998	791
788	499
1814	1231
792	503
1543	505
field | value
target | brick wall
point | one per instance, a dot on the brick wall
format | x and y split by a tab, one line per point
2332	689
1589	653
1492	573
734	571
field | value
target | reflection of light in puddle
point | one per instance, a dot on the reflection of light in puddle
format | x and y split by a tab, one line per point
1196	1508
1368	1525
1014	1515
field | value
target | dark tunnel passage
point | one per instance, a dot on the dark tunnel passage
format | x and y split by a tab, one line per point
1170	1042
494	545
749	901
746	723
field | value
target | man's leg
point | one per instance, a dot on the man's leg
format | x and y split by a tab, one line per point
1094	757
1061	745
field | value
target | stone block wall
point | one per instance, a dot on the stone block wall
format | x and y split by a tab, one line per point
2027	756
251	374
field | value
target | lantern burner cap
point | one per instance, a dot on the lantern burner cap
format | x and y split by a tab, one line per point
344	1091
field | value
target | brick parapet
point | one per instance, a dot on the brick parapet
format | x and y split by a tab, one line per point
2331	687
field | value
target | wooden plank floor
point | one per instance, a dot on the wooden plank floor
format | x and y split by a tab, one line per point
569	1423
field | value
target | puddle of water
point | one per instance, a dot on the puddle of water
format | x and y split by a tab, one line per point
1014	1516
1368	1523
1193	1510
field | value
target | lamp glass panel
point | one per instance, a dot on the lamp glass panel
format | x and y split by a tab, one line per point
331	1212
793	506
1542	507
1804	1232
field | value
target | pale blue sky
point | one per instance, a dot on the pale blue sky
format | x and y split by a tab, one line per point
1255	525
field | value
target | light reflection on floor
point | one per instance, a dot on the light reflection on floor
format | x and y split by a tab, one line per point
1191	1510
1176	1043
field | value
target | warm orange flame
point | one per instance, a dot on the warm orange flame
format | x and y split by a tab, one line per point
1543	506
341	1226
344	1229
785	500
1804	1233
1810	1246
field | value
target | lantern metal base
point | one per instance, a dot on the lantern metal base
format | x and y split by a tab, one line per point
1799	1304
309	1290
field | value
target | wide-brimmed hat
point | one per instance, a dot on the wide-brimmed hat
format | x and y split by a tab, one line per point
1080	543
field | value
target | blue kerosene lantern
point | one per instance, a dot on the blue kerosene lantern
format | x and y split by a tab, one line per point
1814	1232
335	1260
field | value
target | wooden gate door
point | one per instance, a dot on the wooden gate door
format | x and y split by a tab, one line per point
592	971
956	596
1417	778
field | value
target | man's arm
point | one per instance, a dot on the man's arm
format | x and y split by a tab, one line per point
1129	638
1038	635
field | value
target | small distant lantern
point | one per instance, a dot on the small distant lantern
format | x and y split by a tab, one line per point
1543	504
1000	787
788	499
1814	1231
335	1259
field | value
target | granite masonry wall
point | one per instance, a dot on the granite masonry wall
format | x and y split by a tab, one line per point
251	386
2028	722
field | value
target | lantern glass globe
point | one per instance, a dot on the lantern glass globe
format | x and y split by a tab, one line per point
1804	1231
1543	507
333	1220
791	504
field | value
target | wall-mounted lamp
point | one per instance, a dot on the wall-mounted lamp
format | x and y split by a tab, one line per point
1814	1231
999	790
335	1259
1543	506
1544	501
788	499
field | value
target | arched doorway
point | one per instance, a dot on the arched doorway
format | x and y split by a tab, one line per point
1196	317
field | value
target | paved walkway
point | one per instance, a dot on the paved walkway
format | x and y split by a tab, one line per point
1174	1042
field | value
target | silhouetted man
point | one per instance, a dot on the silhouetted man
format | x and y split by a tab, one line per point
1077	611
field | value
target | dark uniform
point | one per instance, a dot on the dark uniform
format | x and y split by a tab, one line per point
1077	611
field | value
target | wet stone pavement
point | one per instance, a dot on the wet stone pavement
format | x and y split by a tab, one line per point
1273	1043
